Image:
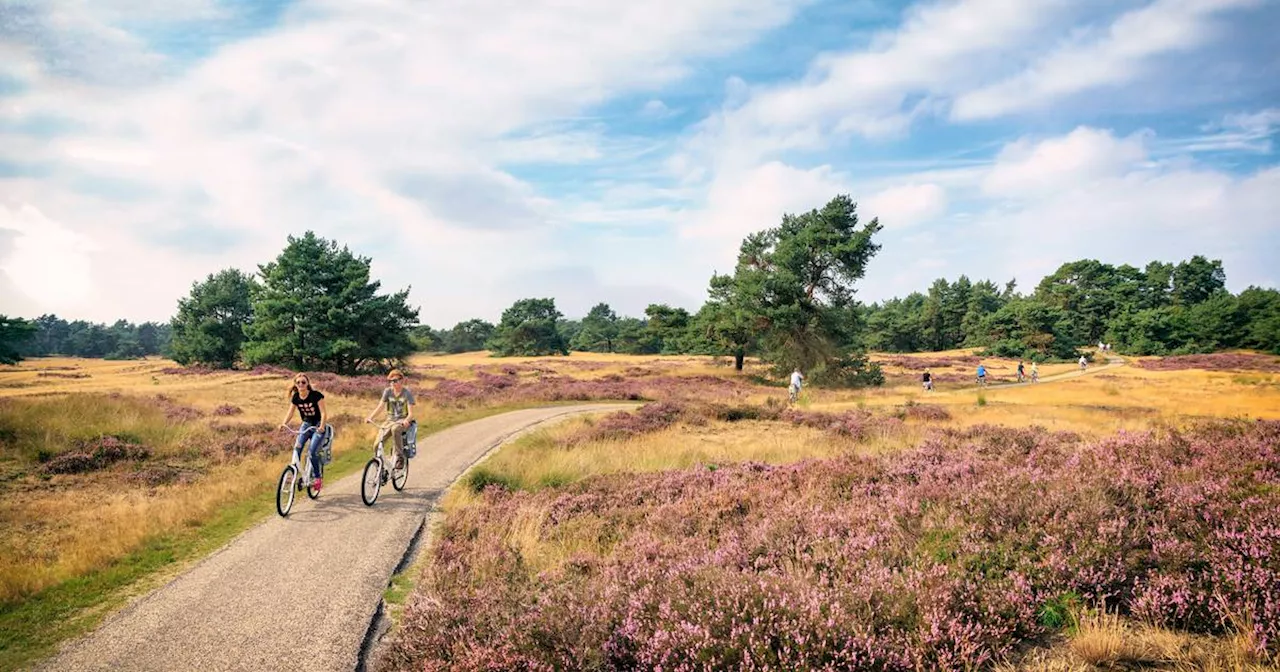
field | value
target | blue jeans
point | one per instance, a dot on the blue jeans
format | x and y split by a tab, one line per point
317	438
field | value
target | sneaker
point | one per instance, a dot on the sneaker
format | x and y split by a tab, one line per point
317	483
399	464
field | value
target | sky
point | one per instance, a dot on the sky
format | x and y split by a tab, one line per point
483	151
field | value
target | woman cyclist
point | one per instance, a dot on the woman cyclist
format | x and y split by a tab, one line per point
398	402
309	403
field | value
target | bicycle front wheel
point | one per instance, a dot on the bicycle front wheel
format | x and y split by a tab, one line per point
400	476
285	493
371	485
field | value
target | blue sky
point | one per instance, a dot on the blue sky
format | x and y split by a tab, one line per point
487	151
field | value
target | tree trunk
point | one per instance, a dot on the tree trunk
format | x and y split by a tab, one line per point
737	360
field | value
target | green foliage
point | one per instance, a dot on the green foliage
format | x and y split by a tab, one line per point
14	332
468	336
1160	309
669	327
1029	328
726	322
122	340
318	310
599	332
529	328
793	288
426	339
209	328
1058	612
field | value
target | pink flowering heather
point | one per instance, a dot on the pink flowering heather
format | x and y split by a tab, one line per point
942	557
1221	361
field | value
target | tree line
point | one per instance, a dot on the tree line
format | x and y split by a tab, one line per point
51	335
790	300
1160	309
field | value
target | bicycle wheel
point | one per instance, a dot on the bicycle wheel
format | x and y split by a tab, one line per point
371	485
312	492
284	494
400	476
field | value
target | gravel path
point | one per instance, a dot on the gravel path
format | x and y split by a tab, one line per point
296	593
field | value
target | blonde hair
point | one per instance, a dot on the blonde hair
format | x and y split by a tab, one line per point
395	373
293	386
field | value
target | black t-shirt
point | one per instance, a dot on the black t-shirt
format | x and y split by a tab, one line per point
309	408
927	376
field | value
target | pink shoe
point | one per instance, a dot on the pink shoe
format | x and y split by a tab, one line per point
317	483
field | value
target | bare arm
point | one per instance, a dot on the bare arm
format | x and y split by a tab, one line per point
323	414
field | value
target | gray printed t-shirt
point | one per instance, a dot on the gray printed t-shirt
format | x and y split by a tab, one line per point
397	407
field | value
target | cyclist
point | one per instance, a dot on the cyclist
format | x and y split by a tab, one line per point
982	375
309	403
398	402
797	381
928	380
1035	372
1083	362
1021	375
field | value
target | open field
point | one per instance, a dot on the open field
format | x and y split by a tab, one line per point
897	530
103	463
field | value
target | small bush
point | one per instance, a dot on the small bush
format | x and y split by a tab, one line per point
227	409
95	455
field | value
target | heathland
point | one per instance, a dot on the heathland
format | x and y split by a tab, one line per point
1124	516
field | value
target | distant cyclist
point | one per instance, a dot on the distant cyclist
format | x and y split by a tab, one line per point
1021	374
797	382
928	380
1083	363
1035	372
398	402
982	375
309	403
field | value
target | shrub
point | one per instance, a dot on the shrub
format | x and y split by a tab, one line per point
948	556
95	455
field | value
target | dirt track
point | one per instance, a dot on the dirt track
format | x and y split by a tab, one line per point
295	593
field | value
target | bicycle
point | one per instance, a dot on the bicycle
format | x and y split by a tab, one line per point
376	473
300	464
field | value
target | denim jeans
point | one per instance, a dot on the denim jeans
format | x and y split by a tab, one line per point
316	435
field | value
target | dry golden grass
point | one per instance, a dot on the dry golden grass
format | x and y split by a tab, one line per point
54	528
1108	642
542	458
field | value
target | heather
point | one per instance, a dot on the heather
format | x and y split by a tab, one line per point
945	556
1223	361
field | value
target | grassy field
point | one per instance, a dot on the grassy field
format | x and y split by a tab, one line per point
114	474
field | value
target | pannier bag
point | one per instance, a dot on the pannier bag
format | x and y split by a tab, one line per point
326	445
411	439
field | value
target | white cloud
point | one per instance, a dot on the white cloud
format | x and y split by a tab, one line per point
656	109
756	199
1024	168
46	262
941	47
380	124
1114	57
905	205
1088	194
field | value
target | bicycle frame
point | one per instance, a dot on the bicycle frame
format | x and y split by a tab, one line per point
302	460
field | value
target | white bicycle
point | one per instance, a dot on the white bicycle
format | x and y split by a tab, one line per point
292	480
376	473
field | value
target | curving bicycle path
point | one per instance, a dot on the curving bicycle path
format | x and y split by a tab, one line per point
1113	362
296	593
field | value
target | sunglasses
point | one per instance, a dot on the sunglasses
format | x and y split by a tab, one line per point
395	380
301	382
